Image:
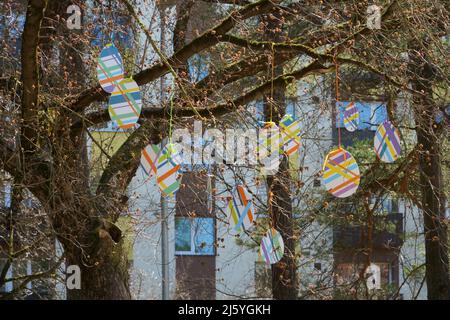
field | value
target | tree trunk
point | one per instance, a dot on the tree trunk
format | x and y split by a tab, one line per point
108	280
284	273
433	203
431	179
104	267
90	242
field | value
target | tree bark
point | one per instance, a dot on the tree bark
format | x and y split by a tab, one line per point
30	74
104	275
431	179
284	273
436	232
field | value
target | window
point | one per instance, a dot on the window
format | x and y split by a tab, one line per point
7	195
290	107
371	114
122	34
447	211
386	205
198	67
29	272
259	110
7	287
14	24
318	266
194	236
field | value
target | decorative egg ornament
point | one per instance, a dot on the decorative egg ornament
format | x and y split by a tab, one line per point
269	140
351	117
149	159
109	68
341	173
125	104
168	171
272	246
290	134
240	207
387	142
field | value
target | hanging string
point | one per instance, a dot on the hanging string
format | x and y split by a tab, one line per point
210	189
338	106
111	37
271	84
270	193
171	117
270	207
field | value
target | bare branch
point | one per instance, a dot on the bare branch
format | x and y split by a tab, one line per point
30	76
206	40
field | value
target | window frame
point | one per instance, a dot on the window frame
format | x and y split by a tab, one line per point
193	246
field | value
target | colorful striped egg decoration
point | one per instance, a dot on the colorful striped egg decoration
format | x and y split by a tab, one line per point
270	140
341	173
351	117
168	171
149	159
272	246
110	69
291	134
125	104
240	208
387	142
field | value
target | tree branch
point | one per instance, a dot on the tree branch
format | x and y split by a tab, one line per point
33	173
221	109
206	40
322	57
123	164
235	2
30	73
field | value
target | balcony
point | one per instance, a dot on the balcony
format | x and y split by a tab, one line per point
387	234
